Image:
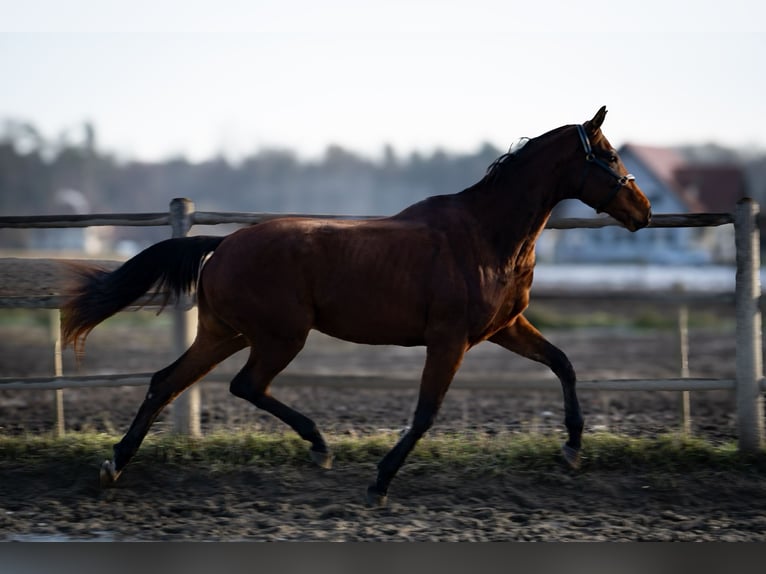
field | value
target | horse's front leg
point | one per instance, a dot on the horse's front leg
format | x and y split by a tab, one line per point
524	339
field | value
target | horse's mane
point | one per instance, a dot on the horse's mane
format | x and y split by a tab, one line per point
519	149
500	166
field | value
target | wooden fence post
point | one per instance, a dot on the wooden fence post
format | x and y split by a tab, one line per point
186	408
54	319
749	367
683	350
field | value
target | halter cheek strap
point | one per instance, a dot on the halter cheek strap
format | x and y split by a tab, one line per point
591	159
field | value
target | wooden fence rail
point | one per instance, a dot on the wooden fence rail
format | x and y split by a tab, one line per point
748	383
378	381
244	218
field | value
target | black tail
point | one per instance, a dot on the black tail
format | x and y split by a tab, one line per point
172	266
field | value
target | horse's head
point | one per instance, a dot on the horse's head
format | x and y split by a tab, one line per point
602	180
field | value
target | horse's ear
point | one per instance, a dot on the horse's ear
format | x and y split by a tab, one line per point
598	119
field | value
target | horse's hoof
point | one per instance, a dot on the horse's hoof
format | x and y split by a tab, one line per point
107	475
376	499
321	459
571	456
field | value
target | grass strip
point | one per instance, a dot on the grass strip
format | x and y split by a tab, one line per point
482	453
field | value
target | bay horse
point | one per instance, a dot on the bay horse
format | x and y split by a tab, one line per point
447	273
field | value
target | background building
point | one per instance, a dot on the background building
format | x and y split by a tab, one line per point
673	184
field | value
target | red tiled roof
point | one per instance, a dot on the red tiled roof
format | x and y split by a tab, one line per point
717	187
662	161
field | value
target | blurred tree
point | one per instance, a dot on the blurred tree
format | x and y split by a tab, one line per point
33	169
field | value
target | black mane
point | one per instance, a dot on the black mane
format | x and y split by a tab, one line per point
519	149
498	167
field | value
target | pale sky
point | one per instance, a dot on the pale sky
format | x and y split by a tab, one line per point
162	78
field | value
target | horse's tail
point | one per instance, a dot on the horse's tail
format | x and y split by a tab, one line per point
172	266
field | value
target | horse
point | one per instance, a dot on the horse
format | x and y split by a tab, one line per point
448	272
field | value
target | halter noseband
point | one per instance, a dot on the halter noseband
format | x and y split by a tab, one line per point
591	159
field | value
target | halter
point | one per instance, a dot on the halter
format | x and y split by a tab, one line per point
591	159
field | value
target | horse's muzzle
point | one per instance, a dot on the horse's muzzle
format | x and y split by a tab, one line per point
639	223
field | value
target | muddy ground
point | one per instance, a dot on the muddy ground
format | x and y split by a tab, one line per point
300	502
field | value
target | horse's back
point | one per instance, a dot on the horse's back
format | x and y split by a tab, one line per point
368	281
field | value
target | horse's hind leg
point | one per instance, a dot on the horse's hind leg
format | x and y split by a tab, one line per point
267	359
205	353
522	338
442	362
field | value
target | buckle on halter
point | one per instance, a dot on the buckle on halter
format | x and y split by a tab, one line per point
627	178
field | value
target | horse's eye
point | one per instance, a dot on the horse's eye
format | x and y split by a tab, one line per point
612	158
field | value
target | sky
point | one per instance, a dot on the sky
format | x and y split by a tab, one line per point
193	78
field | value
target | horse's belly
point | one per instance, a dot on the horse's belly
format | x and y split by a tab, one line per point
372	323
377	337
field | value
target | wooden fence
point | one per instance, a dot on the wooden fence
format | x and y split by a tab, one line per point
748	382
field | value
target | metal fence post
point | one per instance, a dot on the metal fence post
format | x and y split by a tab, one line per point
186	407
749	354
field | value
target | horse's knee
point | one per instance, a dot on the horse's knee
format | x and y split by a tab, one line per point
423	420
242	388
562	366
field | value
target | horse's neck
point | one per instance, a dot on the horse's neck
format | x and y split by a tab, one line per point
511	217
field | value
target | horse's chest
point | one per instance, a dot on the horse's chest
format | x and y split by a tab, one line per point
510	305
503	300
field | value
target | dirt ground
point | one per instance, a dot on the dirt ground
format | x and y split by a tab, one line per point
301	502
